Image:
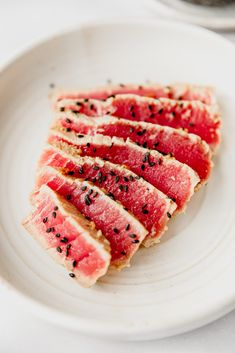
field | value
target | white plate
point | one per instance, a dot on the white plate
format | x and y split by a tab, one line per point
186	281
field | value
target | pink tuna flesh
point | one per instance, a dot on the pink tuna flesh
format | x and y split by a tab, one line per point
186	148
174	91
151	207
108	215
195	117
69	237
173	178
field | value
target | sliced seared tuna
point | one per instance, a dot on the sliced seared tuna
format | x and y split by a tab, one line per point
195	117
123	231
186	148
175	91
71	239
170	176
150	206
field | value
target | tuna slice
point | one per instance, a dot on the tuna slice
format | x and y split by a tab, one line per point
175	91
195	117
123	231
186	148
173	178
70	239
150	206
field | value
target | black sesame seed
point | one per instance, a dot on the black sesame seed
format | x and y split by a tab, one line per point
54	214
133	114
64	240
68	129
173	113
96	167
145	145
72	274
94	180
59	249
74	263
68	120
57	235
95	194
92	106
84	187
173	199
104	178
160	111
75	111
142	167
79	104
168	215
120	187
62	109
160	161
146	157
116	230
88	218
132	236
80	136
145	211
125	187
112	173
88	144
111	145
150	108
117	178
90	192
152	164
48	230
45	219
56	208
86	100
152	115
141	133
156	144
191	124
87	200
81	170
126	179
68	246
127	227
111	195
71	172
131	178
68	197
123	252
135	241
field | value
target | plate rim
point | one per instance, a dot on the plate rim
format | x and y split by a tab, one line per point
87	326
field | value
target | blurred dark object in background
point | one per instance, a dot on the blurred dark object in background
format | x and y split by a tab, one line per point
210	2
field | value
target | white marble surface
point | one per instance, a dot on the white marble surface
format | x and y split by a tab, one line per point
22	23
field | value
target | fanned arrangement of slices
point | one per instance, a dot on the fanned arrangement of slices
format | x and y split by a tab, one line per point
119	163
